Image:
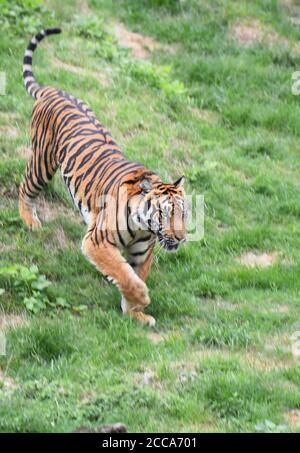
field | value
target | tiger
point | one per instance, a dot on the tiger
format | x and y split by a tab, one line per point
127	207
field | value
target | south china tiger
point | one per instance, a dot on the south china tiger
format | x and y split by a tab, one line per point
125	205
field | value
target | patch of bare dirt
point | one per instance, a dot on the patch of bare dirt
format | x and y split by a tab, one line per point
9	115
205	115
61	237
12	320
293	417
102	76
9	131
88	396
279	342
251	259
24	152
186	376
6	247
187	366
49	211
7	383
262	362
293	11
187	369
155	337
246	32
10	193
295	20
241	175
287	3
82	7
107	428
251	31
280	309
147	377
220	303
141	45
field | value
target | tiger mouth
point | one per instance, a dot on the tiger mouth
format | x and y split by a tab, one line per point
168	244
171	248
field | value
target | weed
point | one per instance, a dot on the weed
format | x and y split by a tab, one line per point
27	16
31	287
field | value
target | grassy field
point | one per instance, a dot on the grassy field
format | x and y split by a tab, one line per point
205	91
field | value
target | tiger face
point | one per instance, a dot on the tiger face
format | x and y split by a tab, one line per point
163	212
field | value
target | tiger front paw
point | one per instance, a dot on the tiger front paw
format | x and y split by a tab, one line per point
138	315
143	318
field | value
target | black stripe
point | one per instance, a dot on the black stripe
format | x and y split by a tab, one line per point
86	159
130	181
52	31
31	46
46	165
27	60
128	166
143	239
29	83
108	163
72	160
117	219
128	213
106	237
139	253
54	102
77	184
39	37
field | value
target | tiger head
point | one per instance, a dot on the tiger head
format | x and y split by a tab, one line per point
162	211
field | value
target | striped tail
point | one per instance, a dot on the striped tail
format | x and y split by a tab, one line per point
31	85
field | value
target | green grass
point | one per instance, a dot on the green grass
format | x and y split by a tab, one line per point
204	105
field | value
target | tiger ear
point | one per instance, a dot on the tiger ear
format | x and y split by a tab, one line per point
145	185
179	182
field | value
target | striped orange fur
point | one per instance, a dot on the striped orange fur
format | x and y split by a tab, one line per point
125	205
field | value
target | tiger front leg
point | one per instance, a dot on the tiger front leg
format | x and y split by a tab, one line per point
108	260
141	263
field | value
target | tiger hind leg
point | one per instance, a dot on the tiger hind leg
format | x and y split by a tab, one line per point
34	182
